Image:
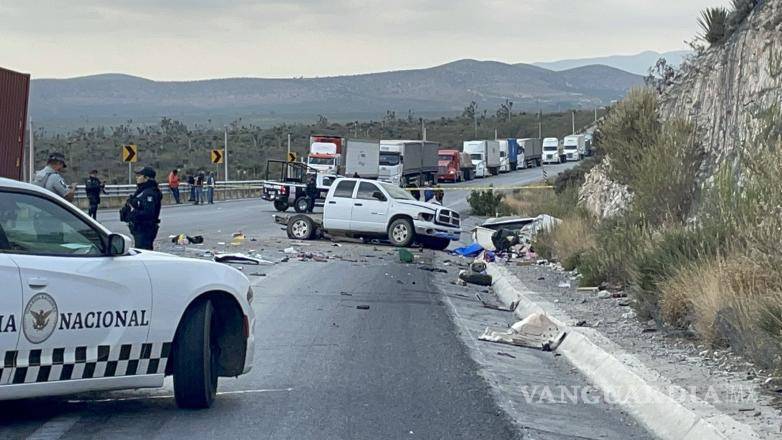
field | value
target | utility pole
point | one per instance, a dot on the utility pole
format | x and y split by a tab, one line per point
31	159
225	151
540	121
423	129
475	123
573	113
495	134
289	147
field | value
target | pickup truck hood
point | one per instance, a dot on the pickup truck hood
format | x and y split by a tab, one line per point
430	206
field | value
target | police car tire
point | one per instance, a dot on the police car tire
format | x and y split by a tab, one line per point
301	204
280	205
195	358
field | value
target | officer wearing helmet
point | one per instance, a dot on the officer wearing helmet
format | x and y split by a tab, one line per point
142	210
49	177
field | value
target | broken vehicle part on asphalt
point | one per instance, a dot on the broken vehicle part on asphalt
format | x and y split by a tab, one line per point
534	331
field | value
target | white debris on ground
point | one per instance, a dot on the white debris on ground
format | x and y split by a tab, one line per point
534	331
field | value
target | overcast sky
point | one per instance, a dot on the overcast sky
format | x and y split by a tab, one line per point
195	39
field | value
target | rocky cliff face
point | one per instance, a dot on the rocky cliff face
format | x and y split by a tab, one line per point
726	91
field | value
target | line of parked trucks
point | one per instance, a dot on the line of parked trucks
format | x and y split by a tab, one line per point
404	162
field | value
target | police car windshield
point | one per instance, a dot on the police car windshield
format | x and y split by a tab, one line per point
35	225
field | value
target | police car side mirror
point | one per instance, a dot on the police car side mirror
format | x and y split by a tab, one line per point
119	244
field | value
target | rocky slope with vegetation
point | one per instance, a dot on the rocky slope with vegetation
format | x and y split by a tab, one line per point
684	210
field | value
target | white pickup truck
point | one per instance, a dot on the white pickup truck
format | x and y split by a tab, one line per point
365	208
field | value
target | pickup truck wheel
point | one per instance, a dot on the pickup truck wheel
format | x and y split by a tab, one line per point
301	227
195	357
302	204
281	205
401	232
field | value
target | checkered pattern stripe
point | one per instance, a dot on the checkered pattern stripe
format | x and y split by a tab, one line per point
58	364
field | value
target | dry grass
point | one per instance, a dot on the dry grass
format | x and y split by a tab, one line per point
729	302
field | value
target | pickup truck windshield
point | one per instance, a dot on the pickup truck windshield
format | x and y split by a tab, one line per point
389	159
396	192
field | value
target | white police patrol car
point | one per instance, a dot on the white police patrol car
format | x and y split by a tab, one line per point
80	310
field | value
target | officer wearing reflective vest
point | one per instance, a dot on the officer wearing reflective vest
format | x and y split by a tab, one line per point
142	210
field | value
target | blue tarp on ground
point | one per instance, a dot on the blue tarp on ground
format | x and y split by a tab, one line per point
469	251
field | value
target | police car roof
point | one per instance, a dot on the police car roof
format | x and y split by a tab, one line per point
15	184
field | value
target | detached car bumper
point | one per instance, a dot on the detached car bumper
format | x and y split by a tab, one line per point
430	229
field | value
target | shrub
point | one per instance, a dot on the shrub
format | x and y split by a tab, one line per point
567	242
534	202
730	302
486	203
573	177
657	161
612	259
713	23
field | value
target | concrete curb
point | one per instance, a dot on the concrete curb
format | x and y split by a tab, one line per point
666	410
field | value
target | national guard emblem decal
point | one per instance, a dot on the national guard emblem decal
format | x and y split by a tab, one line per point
40	318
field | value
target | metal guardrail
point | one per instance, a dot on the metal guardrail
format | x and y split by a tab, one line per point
184	188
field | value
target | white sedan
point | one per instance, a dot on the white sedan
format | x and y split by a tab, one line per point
81	310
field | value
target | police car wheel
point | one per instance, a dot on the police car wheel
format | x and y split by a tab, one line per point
302	204
401	232
195	358
280	205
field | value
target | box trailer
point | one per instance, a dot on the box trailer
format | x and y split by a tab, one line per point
485	155
362	159
14	98
530	152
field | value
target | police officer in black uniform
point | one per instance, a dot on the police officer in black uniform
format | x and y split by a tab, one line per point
312	192
94	187
142	210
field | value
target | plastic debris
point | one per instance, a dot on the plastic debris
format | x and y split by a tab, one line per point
469	251
405	256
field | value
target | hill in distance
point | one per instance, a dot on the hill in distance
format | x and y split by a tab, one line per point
638	64
444	89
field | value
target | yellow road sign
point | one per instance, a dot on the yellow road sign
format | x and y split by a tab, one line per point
217	156
291	157
130	153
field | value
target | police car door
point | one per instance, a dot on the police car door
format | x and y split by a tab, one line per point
85	315
10	311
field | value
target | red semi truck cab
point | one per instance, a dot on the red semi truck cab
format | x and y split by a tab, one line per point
449	165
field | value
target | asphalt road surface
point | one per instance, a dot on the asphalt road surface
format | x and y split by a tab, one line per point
324	368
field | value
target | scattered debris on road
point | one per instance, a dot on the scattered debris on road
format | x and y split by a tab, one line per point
488	305
502	353
363	307
534	331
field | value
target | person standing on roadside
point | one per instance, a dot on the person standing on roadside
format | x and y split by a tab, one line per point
94	187
199	188
312	192
173	185
439	194
49	177
191	182
428	192
142	210
210	188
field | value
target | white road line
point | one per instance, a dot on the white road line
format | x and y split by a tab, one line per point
54	428
171	396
